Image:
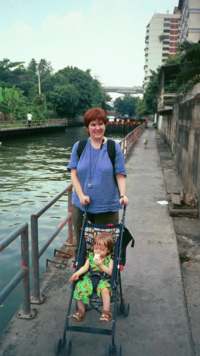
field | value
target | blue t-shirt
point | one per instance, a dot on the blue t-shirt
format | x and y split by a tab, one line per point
95	173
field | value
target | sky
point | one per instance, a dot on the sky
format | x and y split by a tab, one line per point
105	36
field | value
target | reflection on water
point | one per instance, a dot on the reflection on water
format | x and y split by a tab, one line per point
32	172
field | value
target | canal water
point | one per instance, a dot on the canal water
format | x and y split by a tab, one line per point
32	172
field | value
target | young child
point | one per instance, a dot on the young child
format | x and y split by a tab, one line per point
98	261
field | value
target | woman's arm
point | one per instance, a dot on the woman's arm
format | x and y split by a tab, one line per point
84	199
80	271
121	181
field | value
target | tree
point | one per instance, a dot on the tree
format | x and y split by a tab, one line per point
13	103
141	108
189	73
151	93
45	72
65	99
99	96
70	91
126	105
87	90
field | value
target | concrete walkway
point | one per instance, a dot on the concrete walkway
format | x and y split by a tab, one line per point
157	324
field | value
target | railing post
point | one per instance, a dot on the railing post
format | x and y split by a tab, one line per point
26	313
69	209
36	297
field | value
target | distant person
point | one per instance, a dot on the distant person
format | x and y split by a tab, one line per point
29	119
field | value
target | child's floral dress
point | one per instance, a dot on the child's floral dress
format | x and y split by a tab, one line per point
84	287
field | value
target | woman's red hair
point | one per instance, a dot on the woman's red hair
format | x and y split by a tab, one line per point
95	114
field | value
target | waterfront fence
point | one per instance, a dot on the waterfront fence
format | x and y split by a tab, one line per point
13	124
129	140
37	297
22	275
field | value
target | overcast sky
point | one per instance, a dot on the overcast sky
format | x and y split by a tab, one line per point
106	36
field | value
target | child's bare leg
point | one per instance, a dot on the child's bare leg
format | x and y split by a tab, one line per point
81	307
106	314
80	311
106	299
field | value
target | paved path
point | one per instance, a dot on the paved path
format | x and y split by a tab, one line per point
157	324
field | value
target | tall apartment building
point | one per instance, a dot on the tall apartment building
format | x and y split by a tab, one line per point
190	20
162	35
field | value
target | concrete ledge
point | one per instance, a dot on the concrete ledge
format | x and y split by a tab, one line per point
183	211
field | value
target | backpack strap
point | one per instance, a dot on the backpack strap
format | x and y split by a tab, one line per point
80	148
110	148
111	152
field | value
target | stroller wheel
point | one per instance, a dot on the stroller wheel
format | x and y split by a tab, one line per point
68	348
63	347
60	347
114	350
123	309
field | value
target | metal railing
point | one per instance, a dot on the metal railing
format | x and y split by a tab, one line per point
21	275
37	297
128	142
34	123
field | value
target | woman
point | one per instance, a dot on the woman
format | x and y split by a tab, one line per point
95	185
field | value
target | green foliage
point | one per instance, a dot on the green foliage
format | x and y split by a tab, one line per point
65	99
75	91
99	97
149	103
38	108
186	75
141	108
126	105
69	92
189	66
13	103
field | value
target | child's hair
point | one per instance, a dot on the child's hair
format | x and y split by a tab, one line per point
105	239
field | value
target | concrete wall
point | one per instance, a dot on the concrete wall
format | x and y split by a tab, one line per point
182	131
190	21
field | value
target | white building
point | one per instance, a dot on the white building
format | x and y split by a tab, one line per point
162	34
190	20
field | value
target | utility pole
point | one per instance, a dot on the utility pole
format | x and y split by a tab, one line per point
39	81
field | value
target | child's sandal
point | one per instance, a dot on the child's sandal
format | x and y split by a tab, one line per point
105	316
78	316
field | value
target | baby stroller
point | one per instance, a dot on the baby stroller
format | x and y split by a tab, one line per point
119	307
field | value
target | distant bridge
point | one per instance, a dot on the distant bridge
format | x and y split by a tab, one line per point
124	90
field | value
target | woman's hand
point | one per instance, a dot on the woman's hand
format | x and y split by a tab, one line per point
74	277
84	199
123	200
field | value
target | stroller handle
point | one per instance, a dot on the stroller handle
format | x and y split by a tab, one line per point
86	210
123	215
